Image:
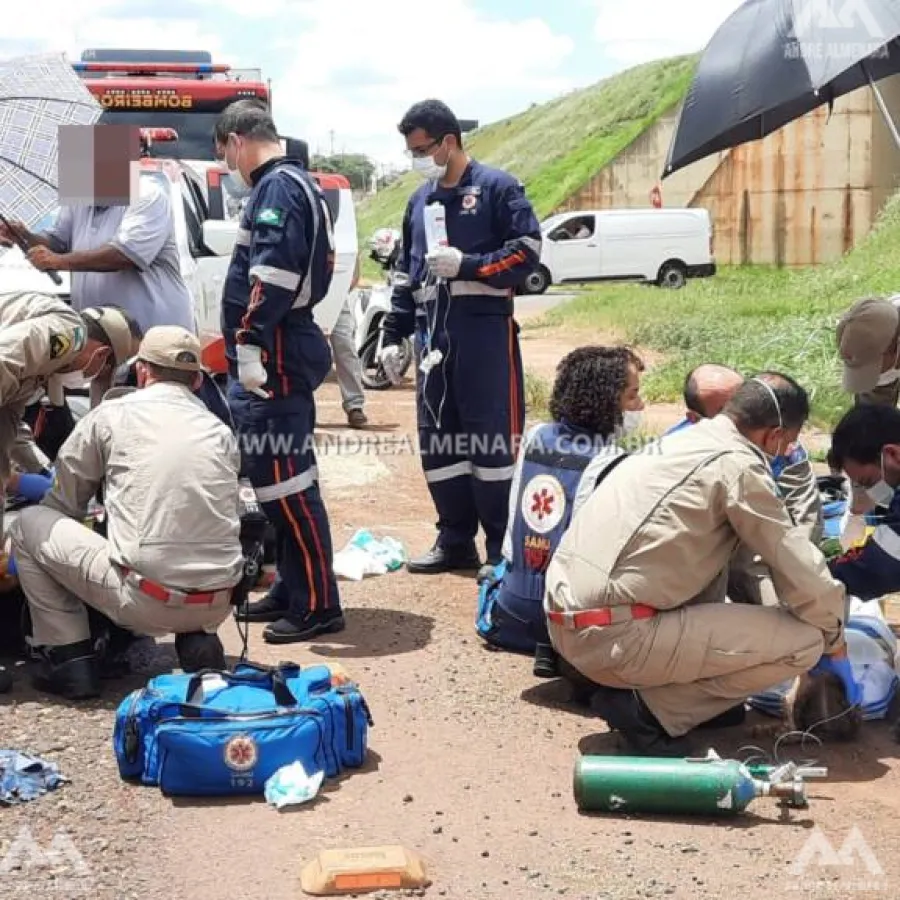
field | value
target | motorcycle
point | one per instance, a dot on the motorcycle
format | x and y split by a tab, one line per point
370	307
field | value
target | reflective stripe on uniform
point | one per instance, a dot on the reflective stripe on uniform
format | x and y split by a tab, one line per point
888	540
532	244
276	277
297	484
458	470
243	237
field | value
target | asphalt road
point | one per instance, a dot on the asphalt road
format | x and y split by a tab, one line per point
535	305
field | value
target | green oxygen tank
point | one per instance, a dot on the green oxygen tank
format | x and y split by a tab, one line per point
707	787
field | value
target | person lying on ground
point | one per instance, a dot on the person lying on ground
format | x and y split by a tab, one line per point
169	469
596	398
638	616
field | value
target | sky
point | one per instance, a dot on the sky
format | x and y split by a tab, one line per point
343	72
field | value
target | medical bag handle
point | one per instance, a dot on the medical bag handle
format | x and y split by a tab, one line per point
272	677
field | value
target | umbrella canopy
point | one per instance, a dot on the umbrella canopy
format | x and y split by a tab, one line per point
773	61
37	95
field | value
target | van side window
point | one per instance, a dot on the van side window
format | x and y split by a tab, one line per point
578	228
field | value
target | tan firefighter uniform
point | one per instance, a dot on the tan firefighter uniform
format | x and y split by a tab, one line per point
749	579
40	335
659	533
170	473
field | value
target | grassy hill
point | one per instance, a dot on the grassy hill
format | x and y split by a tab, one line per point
750	318
557	147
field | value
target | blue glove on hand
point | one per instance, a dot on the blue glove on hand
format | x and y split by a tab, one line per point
33	486
11	566
842	668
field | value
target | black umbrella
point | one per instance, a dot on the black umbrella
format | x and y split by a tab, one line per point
773	61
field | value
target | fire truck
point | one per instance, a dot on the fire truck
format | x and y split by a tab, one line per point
175	98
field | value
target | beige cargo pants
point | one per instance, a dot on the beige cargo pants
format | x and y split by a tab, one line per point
692	663
62	565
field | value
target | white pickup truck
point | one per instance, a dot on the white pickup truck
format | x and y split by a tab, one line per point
205	217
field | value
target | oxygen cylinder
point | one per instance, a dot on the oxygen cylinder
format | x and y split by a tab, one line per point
709	787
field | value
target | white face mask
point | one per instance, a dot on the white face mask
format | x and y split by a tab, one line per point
632	419
881	493
428	168
892	374
240	186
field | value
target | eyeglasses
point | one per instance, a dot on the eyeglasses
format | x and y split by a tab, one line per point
424	150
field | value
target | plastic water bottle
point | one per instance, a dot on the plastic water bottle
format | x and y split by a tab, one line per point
435	226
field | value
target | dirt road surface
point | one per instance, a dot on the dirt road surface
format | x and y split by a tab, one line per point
470	763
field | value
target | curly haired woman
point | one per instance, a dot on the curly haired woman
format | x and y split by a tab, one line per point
595	400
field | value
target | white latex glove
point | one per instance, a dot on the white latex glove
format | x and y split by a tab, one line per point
445	262
853	529
389	358
251	372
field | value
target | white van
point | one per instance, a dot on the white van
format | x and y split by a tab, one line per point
662	246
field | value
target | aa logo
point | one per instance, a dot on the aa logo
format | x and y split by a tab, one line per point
25	855
819	851
814	19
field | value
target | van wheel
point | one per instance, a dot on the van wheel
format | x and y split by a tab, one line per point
373	375
537	282
672	275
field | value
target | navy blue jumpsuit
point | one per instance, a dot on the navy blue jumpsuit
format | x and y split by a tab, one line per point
281	268
470	406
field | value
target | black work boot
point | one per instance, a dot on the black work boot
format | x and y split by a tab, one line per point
545	662
293	631
69	671
625	712
198	650
5	680
269	609
451	558
581	687
728	719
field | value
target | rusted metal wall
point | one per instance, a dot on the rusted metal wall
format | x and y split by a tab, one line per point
801	196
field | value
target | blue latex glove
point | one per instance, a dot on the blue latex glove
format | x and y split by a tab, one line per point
844	671
33	486
11	566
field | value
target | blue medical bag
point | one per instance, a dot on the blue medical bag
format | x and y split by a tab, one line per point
225	733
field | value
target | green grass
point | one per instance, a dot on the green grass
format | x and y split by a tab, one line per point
537	396
749	318
555	148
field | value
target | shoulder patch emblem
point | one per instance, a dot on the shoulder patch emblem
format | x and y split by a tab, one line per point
61	344
270	216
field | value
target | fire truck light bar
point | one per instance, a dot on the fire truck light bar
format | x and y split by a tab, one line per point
159	134
134	68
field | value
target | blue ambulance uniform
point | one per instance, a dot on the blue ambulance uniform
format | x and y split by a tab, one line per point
471	405
873	570
558	469
281	268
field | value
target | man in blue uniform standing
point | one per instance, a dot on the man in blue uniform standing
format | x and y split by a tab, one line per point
458	299
282	267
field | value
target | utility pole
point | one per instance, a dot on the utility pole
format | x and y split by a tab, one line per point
331	135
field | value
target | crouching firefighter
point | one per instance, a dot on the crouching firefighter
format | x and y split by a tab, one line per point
457	297
42	340
169	469
281	268
595	400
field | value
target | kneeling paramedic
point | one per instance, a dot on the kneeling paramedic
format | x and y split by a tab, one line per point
42	340
169	469
639	614
459	301
707	389
282	267
596	399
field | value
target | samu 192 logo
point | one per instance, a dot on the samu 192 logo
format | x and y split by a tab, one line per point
241	753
